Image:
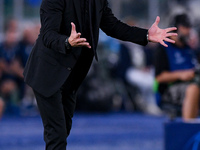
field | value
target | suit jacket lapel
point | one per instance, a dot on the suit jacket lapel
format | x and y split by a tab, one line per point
96	9
77	6
97	4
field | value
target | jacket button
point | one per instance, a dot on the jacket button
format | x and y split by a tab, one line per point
70	69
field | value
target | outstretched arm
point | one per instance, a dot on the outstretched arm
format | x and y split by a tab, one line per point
157	35
117	29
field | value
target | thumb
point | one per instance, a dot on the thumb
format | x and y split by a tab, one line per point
73	27
157	20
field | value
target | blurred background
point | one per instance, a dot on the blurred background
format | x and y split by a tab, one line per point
118	94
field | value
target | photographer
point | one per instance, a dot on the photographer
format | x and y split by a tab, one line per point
175	70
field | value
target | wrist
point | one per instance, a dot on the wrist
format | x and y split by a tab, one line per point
67	44
148	36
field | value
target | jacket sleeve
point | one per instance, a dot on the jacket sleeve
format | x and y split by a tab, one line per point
117	29
51	13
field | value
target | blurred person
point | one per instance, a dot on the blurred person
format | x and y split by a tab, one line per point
12	25
63	53
134	72
8	86
193	40
194	43
25	46
175	70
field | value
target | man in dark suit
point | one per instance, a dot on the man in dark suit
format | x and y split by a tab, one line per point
64	52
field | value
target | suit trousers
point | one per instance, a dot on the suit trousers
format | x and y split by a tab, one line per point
56	113
57	110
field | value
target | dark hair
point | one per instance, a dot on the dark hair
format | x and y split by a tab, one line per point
181	19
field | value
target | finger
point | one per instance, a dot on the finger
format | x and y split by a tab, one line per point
84	44
73	27
78	35
171	34
163	43
80	40
88	46
157	20
170	29
169	40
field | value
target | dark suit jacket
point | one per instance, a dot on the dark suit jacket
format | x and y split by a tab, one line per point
49	63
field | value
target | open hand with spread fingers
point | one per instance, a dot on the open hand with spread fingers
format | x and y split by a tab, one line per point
75	39
157	35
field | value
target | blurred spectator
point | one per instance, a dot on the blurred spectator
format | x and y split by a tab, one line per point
24	48
135	73
29	37
13	57
8	87
12	25
194	42
175	70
